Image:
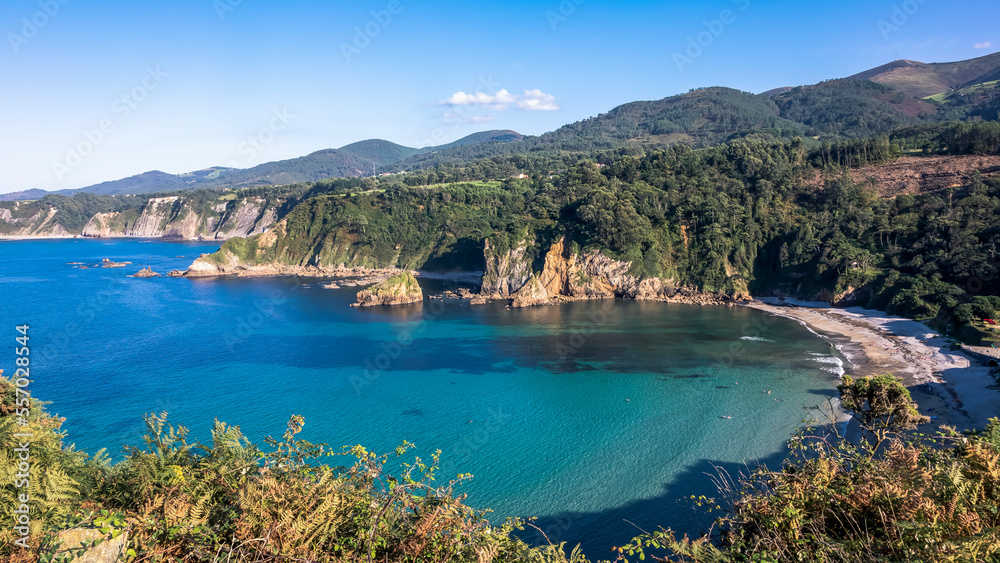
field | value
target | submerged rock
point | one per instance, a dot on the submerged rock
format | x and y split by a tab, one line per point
397	290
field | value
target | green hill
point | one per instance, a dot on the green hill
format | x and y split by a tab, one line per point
379	151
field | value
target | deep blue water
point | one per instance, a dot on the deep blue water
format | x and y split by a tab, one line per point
583	414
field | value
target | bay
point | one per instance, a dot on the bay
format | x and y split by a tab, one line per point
596	417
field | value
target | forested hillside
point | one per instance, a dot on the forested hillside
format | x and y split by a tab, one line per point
746	213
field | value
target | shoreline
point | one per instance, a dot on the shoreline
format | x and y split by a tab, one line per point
945	383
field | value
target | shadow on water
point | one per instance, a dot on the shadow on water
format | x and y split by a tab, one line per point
597	532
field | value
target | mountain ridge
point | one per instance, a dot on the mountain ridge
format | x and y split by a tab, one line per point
873	102
353	160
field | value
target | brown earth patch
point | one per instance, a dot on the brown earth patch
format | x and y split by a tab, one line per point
923	174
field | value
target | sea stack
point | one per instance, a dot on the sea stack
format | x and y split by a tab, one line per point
146	272
397	290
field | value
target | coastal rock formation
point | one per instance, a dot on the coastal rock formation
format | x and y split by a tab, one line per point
176	218
146	272
397	290
106	263
531	294
506	271
594	275
179	217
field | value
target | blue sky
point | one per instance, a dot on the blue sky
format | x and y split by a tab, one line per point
98	90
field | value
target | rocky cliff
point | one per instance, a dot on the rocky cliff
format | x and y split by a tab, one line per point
176	218
507	268
182	217
532	293
24	219
593	275
397	290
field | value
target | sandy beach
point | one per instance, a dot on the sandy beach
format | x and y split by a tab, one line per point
947	384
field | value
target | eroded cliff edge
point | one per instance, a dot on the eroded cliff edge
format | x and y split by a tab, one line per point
516	270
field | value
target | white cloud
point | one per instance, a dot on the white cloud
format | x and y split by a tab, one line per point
984	45
479	99
536	100
531	100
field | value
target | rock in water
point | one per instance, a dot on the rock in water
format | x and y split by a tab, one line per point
533	293
146	272
397	290
112	264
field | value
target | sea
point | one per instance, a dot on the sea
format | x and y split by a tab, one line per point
598	418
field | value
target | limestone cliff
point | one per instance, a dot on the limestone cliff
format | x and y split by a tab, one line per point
176	218
180	217
507	270
397	290
25	219
593	275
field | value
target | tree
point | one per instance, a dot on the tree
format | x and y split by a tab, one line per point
883	404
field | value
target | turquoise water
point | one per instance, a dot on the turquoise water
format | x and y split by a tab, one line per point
584	414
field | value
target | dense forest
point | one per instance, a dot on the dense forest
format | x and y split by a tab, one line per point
744	212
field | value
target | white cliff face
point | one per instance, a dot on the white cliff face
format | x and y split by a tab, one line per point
173	217
100	225
249	217
154	218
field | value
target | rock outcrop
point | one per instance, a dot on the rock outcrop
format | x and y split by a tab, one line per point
74	540
397	290
179	217
531	294
593	275
146	272
506	271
